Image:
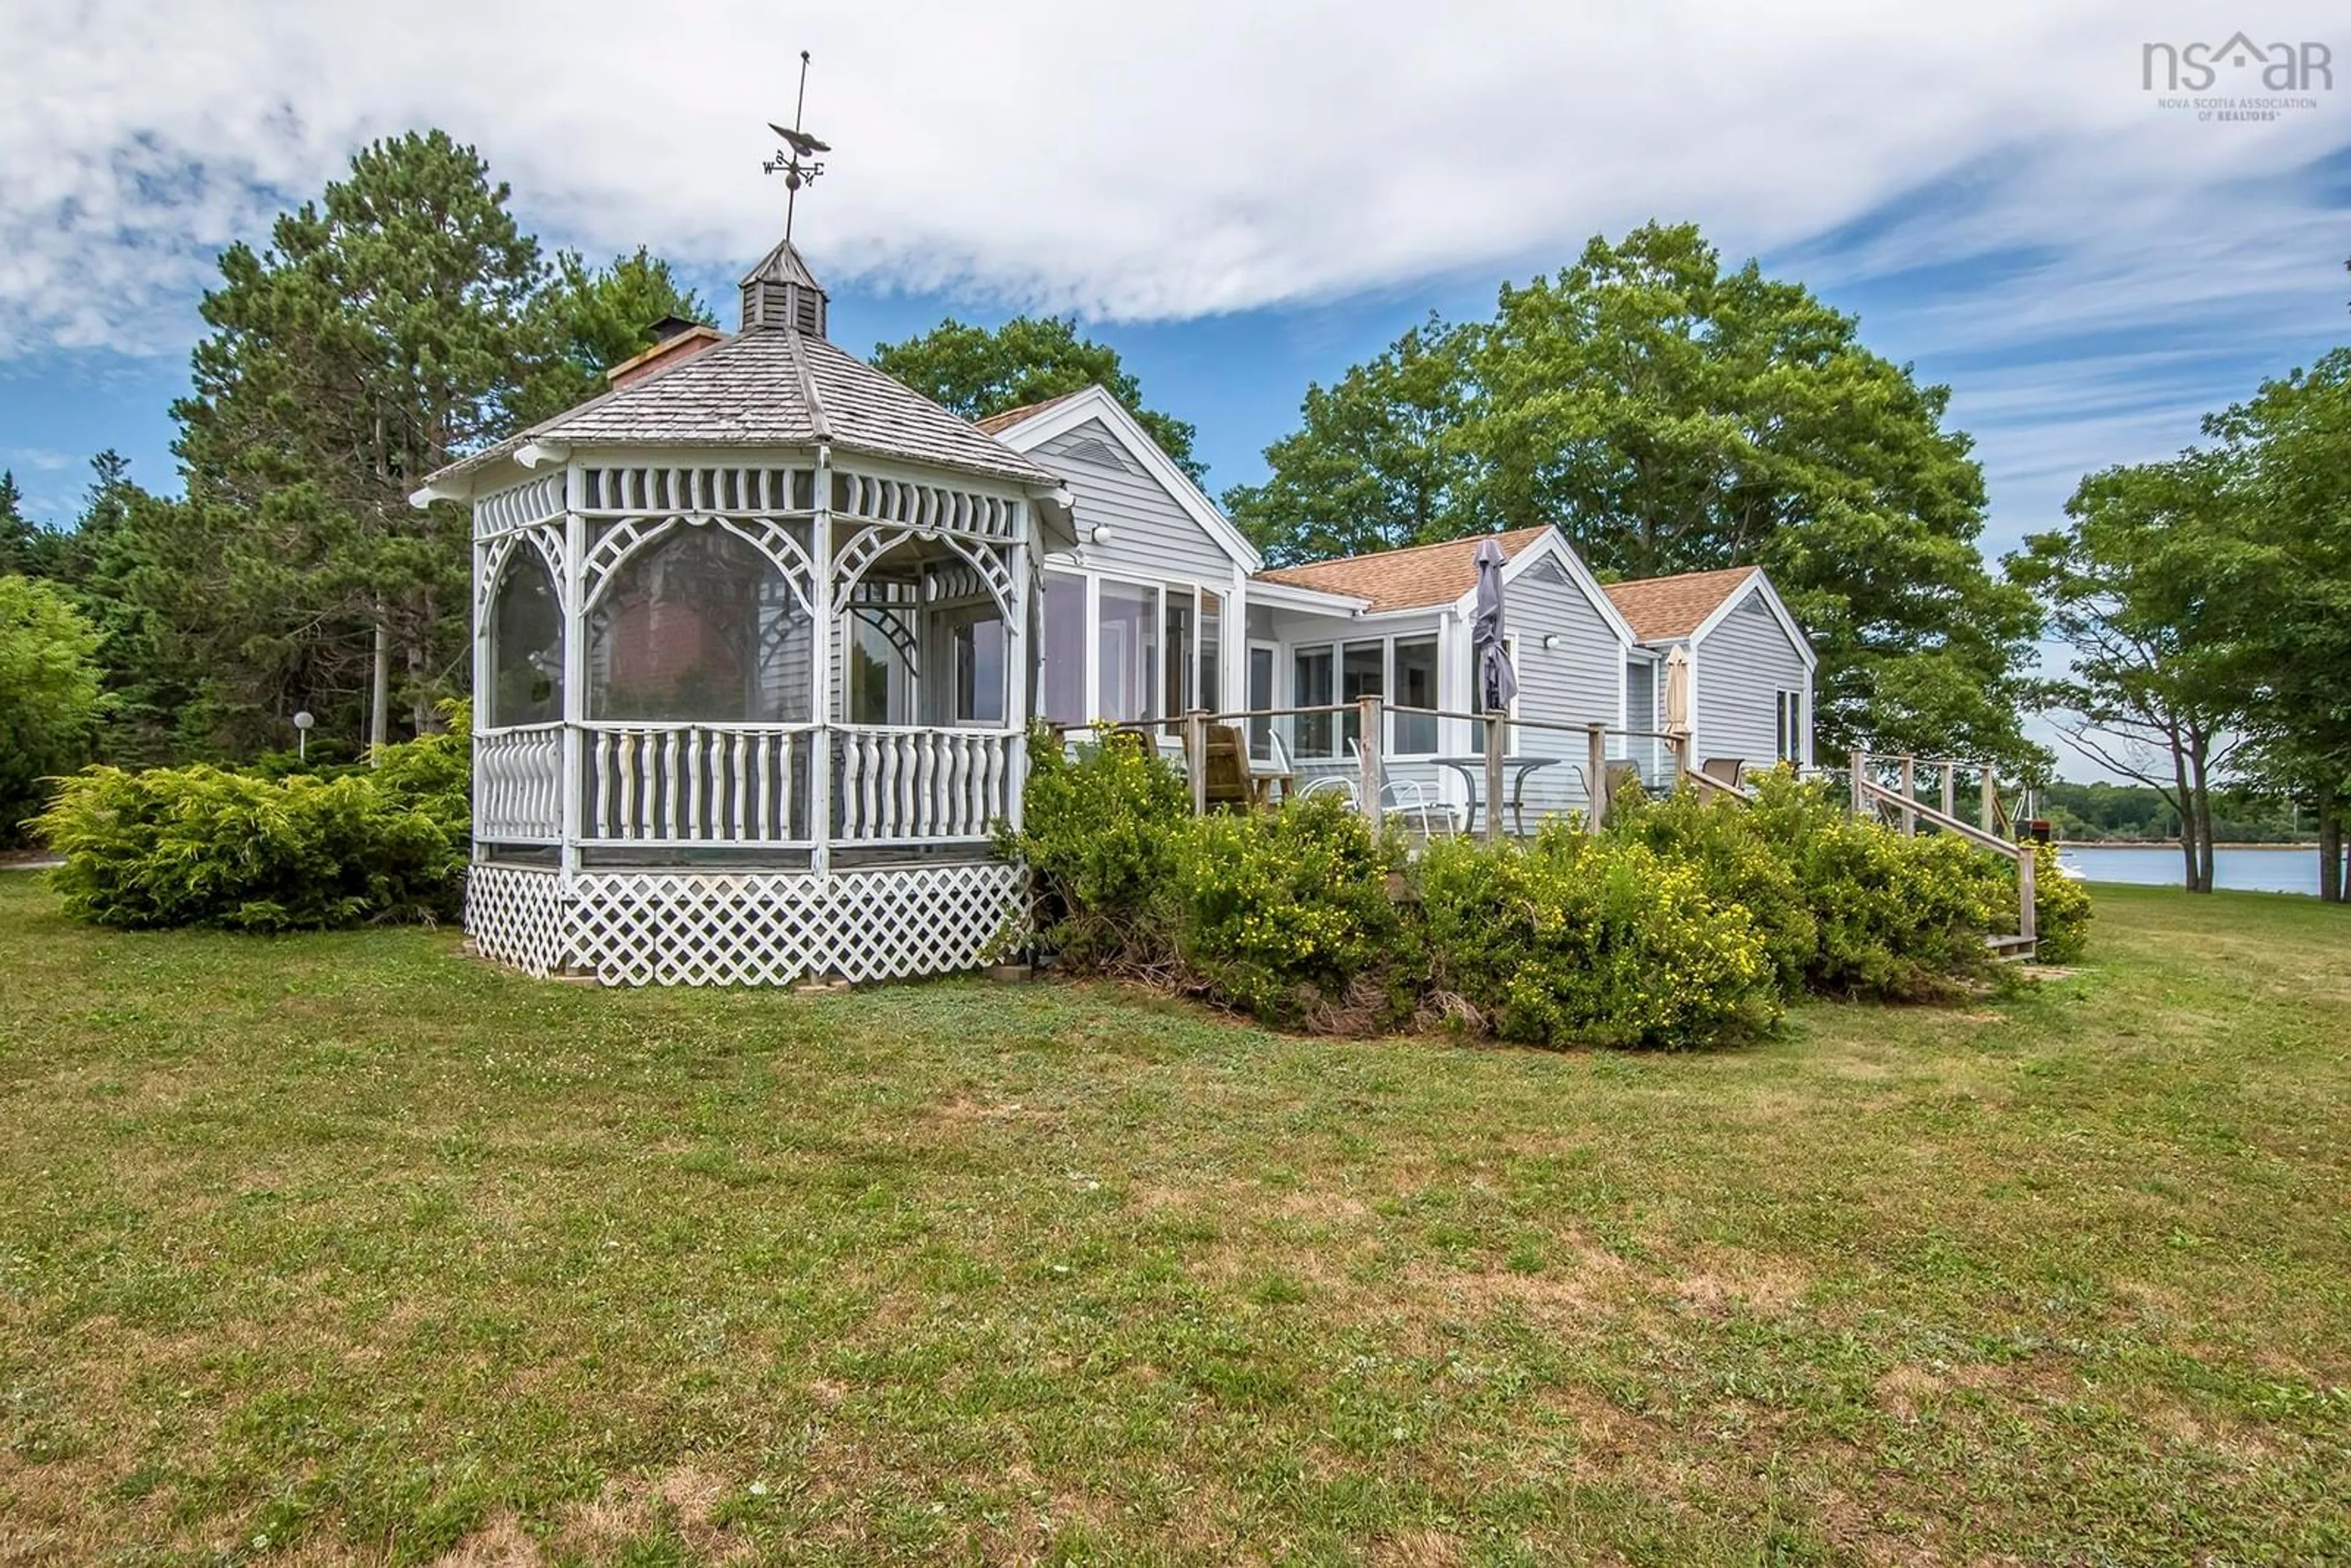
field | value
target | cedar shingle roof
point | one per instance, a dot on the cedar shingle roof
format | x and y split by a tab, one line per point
773	387
1407	579
1664	608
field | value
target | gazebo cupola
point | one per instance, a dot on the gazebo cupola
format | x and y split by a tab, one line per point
783	292
751	664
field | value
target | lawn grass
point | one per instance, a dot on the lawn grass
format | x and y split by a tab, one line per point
351	1248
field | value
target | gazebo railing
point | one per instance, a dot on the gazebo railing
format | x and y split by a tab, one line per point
899	785
518	783
695	783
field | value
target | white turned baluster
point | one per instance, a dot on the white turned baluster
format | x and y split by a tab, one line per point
959	770
694	826
669	795
766	823
649	784
742	747
599	758
630	761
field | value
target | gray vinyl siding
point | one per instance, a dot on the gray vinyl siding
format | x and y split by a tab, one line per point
1574	684
1741	666
1152	536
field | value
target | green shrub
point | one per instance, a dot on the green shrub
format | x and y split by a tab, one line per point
1896	917
1099	835
1575	939
200	846
2061	909
1737	865
1289	916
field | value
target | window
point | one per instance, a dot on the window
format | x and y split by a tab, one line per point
526	645
877	675
1127	654
1790	727
1177	682
1063	695
1415	686
1309	682
699	626
1363	672
1212	636
979	671
1261	700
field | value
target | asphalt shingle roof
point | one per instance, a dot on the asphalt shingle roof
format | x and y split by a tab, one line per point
1661	609
1407	579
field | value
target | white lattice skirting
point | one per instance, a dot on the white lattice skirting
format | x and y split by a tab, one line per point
744	928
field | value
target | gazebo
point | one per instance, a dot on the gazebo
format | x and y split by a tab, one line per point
751	666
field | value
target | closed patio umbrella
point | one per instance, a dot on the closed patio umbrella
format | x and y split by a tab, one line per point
1677	690
1497	683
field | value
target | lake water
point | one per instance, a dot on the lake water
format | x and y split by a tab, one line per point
2286	868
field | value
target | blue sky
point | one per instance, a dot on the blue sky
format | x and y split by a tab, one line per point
1241	201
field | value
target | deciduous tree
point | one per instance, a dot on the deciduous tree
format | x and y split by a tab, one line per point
976	372
1383	459
1672	415
2142	694
49	698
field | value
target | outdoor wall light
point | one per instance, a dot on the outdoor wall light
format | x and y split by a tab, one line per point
1551	642
1099	534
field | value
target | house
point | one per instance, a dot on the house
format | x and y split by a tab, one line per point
759	632
1161	596
1750	667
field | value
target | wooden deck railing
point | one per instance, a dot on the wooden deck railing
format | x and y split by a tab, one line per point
1900	800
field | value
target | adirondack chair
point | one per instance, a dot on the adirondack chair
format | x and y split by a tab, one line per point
1230	786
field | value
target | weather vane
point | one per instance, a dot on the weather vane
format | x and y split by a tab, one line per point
797	158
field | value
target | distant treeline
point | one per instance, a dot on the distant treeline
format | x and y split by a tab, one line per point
2133	813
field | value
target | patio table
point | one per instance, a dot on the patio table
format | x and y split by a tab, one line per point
1473	773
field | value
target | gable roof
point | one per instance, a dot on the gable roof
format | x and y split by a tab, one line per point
773	387
995	423
1413	578
1663	608
1024	429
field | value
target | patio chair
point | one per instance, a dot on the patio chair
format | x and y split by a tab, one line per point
1621	774
1271	770
1730	772
1229	786
1403	798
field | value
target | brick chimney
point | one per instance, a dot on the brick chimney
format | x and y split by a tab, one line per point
675	340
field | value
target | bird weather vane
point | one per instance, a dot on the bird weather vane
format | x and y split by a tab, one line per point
798	157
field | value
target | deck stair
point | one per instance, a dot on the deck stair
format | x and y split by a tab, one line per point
1899	806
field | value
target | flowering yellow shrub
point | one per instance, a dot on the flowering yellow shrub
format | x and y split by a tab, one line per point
1581	940
1289	916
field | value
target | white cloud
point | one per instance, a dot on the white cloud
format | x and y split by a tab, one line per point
1129	161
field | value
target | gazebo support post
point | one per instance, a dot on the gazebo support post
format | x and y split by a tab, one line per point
1017	667
820	663
575	672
